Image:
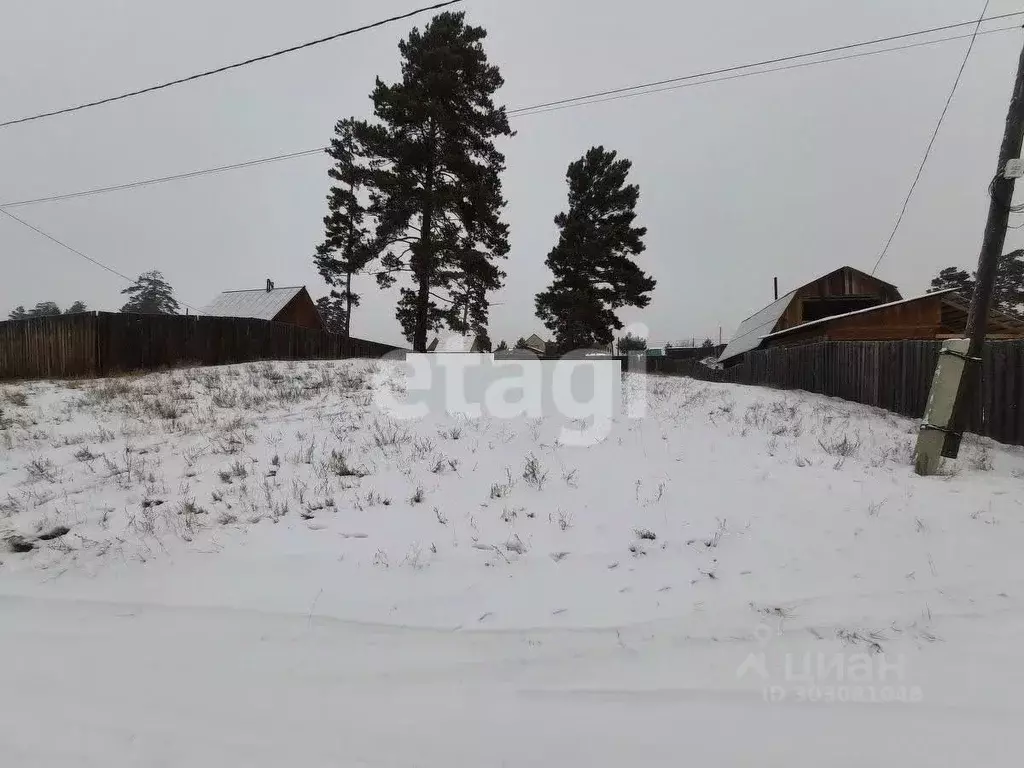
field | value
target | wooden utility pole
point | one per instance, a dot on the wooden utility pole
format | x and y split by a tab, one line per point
1001	193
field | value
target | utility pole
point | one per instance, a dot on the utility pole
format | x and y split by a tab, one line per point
948	435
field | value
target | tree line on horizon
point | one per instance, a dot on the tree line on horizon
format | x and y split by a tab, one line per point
150	294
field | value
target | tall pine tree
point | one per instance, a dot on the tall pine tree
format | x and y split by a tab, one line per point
44	309
468	312
1009	288
594	273
433	176
1008	291
953	277
344	251
333	311
150	295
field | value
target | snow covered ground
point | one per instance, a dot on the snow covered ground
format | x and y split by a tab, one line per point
253	565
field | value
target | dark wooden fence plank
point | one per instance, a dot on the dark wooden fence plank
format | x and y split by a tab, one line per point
895	376
103	343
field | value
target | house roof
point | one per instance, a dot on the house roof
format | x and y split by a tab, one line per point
869	310
752	330
454	342
259	304
759	325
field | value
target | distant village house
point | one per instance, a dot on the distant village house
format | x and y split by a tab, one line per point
293	306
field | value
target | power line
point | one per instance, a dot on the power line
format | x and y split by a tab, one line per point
931	142
778	60
228	67
569	103
162	179
77	252
741	75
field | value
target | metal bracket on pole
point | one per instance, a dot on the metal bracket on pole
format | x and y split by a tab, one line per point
943	430
1014	169
965	357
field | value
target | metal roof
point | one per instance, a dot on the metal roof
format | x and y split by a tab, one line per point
829	319
752	330
258	304
455	342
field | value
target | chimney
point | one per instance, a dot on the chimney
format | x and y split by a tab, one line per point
776	288
270	286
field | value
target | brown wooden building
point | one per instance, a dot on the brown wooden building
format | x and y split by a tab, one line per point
934	316
293	306
851	305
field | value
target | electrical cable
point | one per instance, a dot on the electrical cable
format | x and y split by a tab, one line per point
778	60
931	142
77	252
227	67
524	111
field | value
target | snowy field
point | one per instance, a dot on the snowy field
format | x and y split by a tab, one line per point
253	565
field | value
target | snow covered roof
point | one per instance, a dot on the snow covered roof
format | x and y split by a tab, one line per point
455	342
259	304
859	312
752	330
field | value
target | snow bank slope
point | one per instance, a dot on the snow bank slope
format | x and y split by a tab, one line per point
265	520
175	486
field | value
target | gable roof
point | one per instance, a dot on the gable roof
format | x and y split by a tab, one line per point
752	330
860	272
454	342
761	324
259	304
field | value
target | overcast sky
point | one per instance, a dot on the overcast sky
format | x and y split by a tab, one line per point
791	174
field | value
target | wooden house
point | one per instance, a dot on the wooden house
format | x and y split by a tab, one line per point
850	305
293	306
934	316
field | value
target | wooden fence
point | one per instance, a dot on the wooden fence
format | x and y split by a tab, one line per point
93	344
894	375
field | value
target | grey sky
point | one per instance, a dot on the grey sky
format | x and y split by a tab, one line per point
790	174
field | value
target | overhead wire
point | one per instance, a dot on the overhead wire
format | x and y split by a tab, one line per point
228	67
163	179
766	62
742	75
734	72
77	252
931	142
640	90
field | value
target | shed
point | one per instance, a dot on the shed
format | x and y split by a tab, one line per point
293	306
